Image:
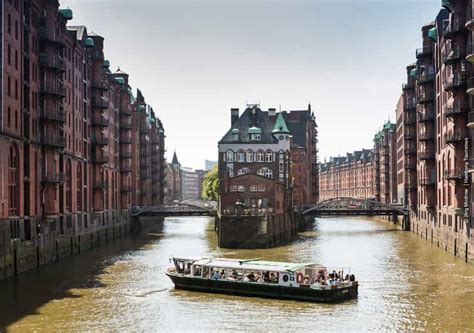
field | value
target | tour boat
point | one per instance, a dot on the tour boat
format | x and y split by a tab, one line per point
255	277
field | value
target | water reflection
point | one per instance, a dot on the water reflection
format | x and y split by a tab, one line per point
406	284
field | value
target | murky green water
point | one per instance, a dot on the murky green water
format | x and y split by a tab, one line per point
405	284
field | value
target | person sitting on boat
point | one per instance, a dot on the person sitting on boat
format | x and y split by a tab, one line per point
235	275
258	278
273	277
266	276
250	277
216	275
307	280
222	274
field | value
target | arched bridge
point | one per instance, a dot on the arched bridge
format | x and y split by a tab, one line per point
353	206
174	209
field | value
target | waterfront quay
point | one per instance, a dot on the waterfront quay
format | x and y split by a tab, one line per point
123	285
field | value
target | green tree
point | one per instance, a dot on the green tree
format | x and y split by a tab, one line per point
210	185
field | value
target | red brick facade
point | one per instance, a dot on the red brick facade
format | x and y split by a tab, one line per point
70	131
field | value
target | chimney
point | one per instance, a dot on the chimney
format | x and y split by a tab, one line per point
234	115
272	112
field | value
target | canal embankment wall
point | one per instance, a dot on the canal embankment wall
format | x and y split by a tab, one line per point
453	239
18	255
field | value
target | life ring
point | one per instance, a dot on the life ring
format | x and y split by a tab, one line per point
299	278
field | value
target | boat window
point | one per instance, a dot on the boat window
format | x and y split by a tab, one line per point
197	270
218	273
270	277
234	274
252	276
205	272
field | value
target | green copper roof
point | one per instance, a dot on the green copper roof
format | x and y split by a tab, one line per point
448	4
120	80
254	130
433	34
280	125
106	64
235	131
66	13
89	42
413	72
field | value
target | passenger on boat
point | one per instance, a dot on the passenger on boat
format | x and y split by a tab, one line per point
266	276
197	272
307	280
216	275
258	278
273	277
222	274
250	277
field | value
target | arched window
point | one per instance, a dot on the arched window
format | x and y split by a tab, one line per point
268	156
79	187
266	172
241	156
230	156
243	171
13	182
249	156
260	156
68	186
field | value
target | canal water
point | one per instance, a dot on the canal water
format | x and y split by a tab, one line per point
405	284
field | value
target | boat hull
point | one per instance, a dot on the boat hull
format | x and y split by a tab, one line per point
265	290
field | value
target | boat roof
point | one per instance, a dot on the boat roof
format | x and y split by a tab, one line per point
250	264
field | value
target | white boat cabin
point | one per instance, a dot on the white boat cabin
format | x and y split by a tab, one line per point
309	275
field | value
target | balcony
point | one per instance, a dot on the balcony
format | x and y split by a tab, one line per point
470	120
426	116
456	174
100	157
99	85
424	52
409	136
125	124
425	97
126	111
426	78
470	86
126	139
52	61
454	82
99	140
426	155
428	181
51	37
453	137
100	184
426	136
453	56
54	115
408	86
99	121
50	88
54	178
57	141
125	154
455	110
454	27
101	103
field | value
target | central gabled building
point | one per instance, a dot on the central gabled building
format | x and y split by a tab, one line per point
254	179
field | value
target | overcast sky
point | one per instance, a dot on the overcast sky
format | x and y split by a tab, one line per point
194	60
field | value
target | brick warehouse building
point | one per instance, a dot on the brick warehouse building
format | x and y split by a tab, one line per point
256	183
432	155
69	128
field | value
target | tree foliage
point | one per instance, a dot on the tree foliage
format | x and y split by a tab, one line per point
210	185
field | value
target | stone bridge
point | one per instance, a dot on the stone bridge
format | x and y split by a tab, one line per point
346	206
197	208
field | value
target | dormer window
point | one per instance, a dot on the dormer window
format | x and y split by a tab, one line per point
255	133
235	134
